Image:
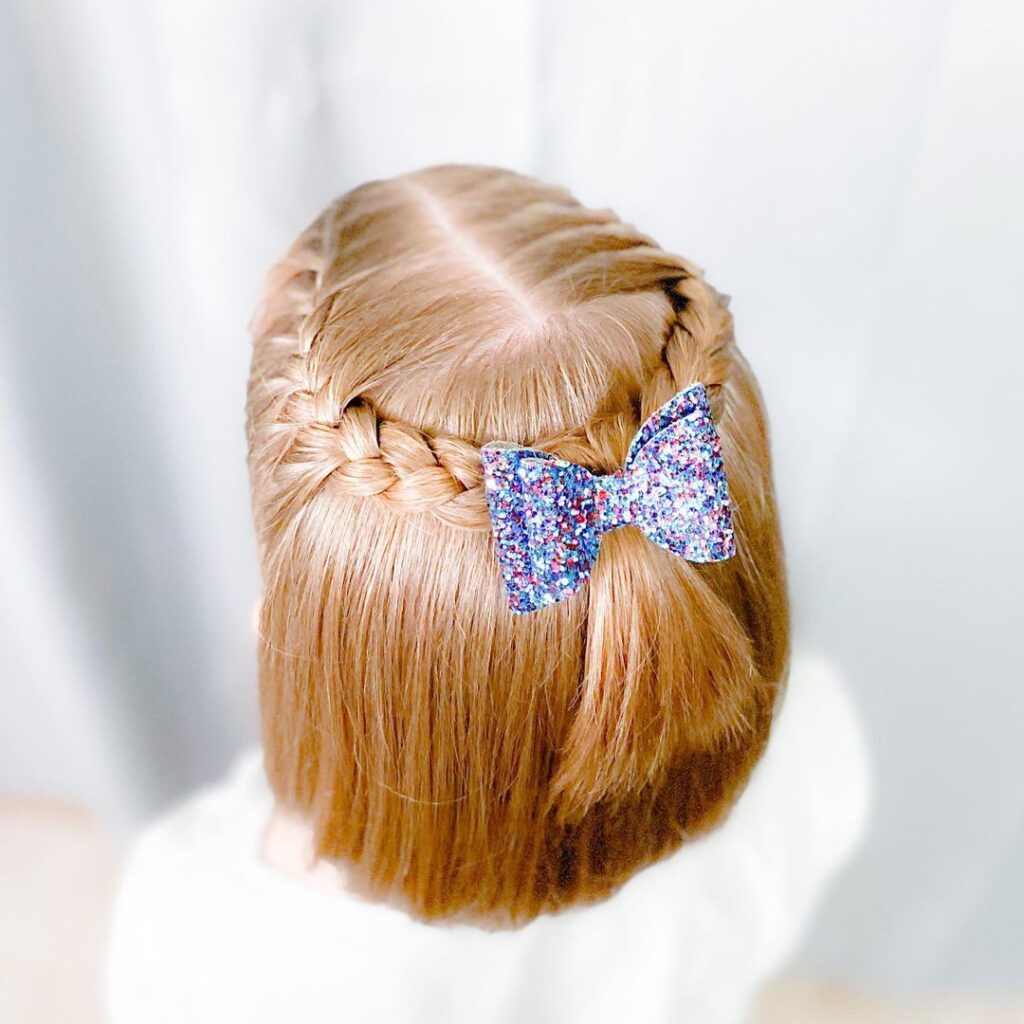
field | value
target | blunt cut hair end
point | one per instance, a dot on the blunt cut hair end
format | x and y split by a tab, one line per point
461	760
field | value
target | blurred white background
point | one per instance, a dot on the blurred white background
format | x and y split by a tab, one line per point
850	173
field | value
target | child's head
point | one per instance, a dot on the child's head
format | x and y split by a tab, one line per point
464	759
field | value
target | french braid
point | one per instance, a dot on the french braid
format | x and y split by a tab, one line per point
354	450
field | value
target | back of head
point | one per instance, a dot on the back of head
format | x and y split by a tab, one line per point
462	759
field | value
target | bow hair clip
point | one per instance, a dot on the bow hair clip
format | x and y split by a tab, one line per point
548	514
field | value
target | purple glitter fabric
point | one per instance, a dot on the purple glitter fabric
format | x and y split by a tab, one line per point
548	514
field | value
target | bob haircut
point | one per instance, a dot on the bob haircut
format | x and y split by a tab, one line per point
460	760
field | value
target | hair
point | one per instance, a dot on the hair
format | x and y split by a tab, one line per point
459	759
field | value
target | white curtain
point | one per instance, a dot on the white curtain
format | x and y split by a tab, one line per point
850	173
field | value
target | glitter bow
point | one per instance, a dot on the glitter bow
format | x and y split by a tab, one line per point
548	514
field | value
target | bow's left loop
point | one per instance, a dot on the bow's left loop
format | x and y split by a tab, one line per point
543	519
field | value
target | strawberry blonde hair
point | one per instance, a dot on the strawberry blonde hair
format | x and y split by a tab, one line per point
460	759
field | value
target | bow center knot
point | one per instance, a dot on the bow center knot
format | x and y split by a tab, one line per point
612	504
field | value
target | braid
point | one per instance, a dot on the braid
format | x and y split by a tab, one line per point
696	345
309	443
312	443
696	348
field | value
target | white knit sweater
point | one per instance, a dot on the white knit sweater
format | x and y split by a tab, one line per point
205	931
